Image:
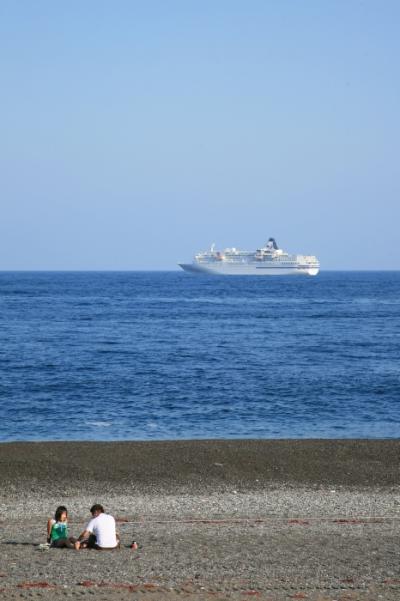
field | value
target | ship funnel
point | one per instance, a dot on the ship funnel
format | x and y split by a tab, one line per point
272	244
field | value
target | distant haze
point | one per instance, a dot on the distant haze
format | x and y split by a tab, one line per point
133	134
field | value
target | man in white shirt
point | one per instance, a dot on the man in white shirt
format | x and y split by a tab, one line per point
100	533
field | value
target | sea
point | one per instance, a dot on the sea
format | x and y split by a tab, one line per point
169	355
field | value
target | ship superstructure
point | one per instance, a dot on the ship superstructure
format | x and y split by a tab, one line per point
267	260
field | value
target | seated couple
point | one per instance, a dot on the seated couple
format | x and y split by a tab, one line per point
100	533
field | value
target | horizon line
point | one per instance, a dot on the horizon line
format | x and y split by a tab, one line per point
155	270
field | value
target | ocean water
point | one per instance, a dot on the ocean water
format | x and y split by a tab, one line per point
167	355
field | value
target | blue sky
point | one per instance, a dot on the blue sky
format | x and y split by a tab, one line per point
133	134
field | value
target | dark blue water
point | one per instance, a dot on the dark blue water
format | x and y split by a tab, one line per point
168	355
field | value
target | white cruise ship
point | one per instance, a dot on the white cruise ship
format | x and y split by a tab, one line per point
268	260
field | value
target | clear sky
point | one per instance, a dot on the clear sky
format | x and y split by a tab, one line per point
133	134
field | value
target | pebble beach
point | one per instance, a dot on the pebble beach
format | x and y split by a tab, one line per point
273	520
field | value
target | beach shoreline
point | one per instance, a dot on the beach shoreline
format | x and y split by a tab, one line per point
190	464
214	519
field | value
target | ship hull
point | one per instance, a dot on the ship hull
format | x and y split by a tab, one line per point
240	269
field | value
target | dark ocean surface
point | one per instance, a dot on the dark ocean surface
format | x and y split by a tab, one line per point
168	355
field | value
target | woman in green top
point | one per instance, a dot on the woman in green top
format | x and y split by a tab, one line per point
57	530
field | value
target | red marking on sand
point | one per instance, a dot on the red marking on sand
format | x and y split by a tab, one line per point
347	580
36	585
392	581
358	521
201	521
87	583
299	522
149	586
120	585
298	596
197	521
251	593
350	521
113	585
121	520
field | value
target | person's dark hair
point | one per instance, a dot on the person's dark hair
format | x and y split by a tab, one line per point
96	507
59	511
